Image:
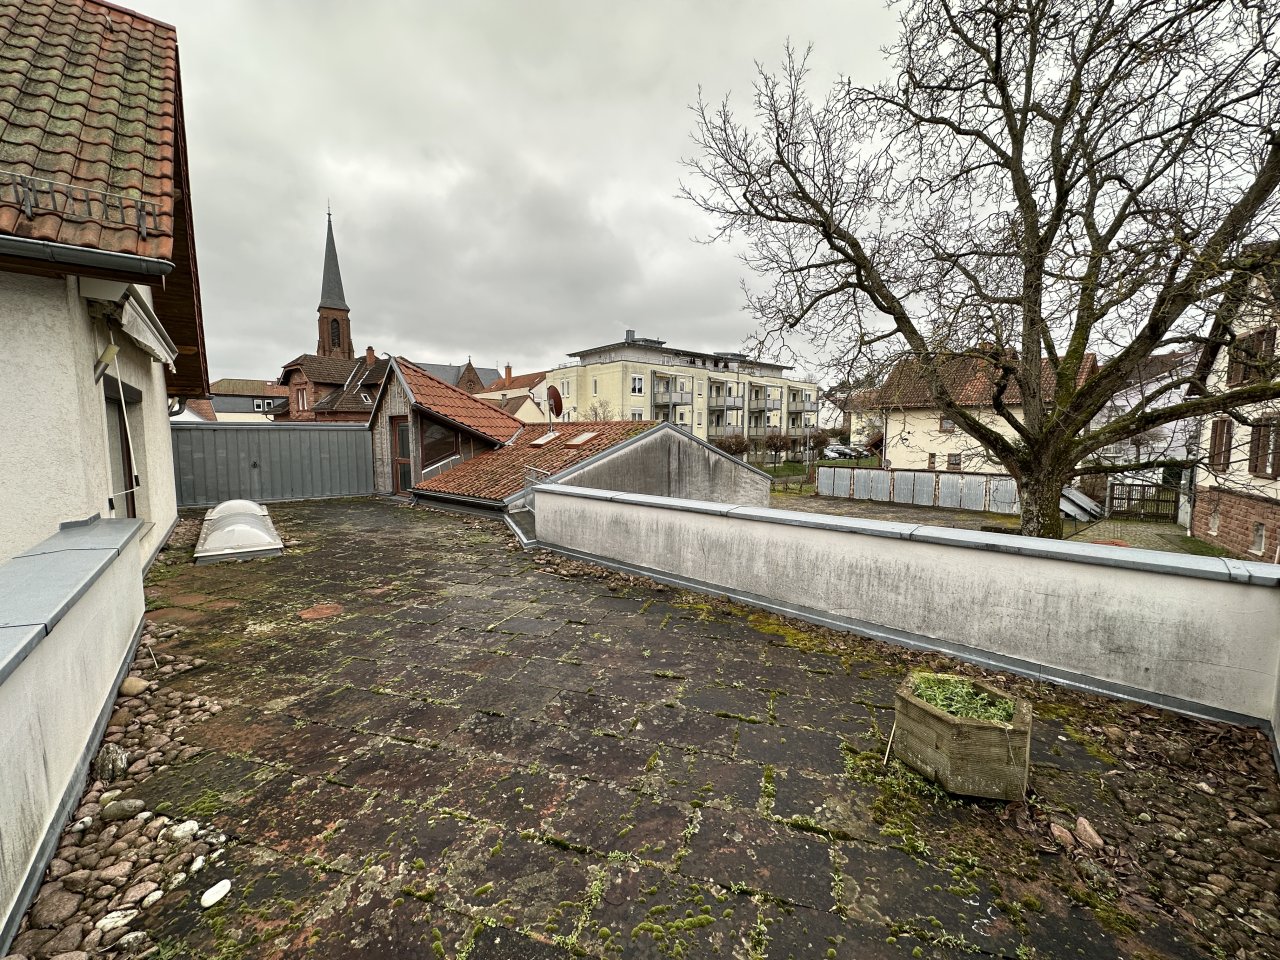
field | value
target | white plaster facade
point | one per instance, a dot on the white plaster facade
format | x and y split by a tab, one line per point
54	463
911	437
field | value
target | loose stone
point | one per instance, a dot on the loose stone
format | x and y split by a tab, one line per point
215	893
133	686
115	920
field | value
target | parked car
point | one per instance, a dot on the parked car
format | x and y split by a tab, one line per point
837	451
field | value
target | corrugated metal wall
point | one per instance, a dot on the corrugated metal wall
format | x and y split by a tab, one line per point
964	491
213	462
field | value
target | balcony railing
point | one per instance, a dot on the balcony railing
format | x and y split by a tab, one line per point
673	398
722	402
802	406
764	403
723	430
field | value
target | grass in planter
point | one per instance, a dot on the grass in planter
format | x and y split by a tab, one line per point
960	698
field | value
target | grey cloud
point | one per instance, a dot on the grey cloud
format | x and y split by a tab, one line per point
502	173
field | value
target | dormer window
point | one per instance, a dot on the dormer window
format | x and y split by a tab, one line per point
366	398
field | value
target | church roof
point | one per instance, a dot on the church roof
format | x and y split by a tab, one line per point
450	373
331	283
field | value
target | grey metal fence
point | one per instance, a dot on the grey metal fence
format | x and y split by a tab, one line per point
213	462
927	488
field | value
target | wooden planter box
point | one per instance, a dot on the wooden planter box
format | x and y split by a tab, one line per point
976	758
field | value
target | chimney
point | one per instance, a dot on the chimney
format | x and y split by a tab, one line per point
369	357
631	335
508	377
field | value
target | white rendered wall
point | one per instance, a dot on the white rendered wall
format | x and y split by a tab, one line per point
1207	642
53	461
48	708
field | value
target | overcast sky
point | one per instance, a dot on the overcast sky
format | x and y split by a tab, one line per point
502	174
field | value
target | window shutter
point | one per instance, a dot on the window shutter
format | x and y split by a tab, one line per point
1258	444
1220	445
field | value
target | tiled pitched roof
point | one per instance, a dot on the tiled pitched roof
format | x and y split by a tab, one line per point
89	98
497	474
348	400
523	381
93	151
202	408
232	387
450	374
968	379
512	405
457	406
330	371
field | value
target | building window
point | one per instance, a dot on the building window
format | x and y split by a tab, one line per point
1249	355
946	425
595	387
257	404
335	333
300	400
953	461
933	461
366	398
1259	538
1264	449
680	416
564	388
637	386
699	388
699	418
1220	444
637	414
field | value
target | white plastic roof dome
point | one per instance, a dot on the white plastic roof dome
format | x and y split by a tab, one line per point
237	530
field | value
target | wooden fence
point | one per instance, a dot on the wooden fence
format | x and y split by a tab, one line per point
1148	501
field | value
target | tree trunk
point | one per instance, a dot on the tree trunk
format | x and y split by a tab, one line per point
1041	516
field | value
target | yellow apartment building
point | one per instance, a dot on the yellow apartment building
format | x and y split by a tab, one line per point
709	394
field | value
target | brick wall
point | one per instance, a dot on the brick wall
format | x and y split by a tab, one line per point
1236	515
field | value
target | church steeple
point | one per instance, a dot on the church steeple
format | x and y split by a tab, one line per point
334	315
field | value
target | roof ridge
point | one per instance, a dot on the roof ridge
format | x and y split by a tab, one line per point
460	392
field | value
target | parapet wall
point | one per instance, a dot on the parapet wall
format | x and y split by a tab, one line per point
1195	634
70	611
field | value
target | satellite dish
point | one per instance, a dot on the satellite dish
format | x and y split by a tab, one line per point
554	402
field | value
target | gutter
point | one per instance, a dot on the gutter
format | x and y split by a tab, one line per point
45	251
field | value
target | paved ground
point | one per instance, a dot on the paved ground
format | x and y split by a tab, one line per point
1149	535
425	743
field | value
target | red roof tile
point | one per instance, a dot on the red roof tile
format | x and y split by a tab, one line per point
232	386
497	474
456	405
523	381
89	99
969	380
93	150
202	408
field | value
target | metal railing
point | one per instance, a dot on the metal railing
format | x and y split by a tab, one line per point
721	402
764	403
803	406
673	398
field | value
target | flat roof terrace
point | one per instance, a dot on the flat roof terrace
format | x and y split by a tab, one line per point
407	738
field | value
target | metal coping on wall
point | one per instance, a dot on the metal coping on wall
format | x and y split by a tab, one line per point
1130	558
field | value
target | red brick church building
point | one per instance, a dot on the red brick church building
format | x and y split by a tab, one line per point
332	384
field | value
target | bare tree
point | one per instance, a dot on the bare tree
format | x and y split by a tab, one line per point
1039	185
600	410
